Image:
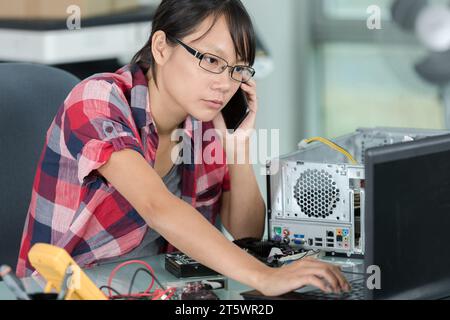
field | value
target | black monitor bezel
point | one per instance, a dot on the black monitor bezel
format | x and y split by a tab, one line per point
384	154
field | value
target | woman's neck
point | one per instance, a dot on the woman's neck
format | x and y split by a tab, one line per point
166	114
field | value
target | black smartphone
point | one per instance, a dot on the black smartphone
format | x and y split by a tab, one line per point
236	110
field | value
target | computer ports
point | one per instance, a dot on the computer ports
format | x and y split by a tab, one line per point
277	230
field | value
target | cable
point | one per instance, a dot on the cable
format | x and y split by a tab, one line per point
110	289
331	144
119	295
65	288
124	264
162	293
297	257
146	271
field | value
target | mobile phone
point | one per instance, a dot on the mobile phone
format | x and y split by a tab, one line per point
236	110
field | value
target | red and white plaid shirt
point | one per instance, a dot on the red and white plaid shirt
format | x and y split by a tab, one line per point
75	208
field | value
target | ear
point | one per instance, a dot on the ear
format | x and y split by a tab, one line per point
160	48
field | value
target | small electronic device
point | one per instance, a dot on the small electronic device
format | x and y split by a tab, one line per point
182	266
53	264
236	110
197	290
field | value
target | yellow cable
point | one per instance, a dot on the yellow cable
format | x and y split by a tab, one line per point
333	146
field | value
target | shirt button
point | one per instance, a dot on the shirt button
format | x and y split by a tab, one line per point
109	129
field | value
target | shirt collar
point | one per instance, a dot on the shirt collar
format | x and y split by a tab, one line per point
140	100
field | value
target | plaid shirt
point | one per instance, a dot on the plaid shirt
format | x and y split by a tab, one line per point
75	208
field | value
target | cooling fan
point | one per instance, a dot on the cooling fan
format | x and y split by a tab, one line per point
316	193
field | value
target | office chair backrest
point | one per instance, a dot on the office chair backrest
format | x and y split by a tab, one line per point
30	96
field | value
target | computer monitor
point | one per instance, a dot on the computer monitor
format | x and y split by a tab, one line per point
407	218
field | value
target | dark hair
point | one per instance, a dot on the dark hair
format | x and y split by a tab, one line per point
179	18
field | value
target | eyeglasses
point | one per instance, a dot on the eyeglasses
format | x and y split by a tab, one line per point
217	65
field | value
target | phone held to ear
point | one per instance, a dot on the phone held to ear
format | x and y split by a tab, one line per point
235	111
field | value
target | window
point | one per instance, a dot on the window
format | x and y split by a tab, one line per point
367	77
367	85
353	9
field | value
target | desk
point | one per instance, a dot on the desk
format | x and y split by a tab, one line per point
100	273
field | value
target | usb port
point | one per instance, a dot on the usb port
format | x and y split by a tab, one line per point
318	239
330	245
319	244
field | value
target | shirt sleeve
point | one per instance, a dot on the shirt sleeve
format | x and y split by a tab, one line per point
97	125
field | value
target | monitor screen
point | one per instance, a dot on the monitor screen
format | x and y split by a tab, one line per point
408	218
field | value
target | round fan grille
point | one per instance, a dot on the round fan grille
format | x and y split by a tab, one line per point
316	193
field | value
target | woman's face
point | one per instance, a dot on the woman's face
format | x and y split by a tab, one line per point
198	92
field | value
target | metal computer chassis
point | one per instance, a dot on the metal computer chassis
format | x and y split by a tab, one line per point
316	199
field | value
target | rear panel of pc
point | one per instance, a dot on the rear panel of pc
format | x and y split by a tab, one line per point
316	199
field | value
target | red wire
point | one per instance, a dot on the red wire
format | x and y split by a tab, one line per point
120	266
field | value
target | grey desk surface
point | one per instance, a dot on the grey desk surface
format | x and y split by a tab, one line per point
100	274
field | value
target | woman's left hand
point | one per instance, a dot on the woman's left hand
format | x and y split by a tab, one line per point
247	126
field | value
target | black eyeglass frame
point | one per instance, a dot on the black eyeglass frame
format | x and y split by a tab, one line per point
200	57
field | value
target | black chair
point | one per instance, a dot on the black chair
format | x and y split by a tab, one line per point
30	96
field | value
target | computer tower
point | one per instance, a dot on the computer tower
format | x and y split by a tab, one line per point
316	197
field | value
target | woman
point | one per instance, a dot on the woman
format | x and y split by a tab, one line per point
107	187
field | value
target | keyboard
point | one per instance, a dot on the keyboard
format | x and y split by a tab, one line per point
357	293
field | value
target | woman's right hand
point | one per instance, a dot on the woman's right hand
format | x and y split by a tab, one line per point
308	271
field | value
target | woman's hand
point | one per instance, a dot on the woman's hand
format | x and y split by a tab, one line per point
308	271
